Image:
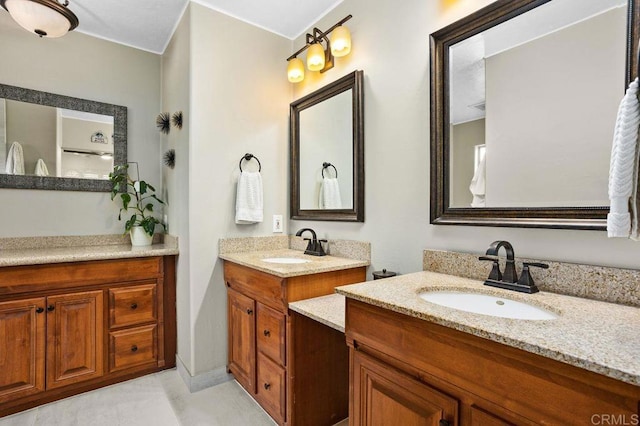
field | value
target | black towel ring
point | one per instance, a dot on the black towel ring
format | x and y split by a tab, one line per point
248	157
325	165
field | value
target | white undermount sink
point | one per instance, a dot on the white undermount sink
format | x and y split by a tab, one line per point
285	260
487	305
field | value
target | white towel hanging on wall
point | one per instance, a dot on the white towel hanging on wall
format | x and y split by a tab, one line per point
249	204
330	194
623	171
15	160
41	168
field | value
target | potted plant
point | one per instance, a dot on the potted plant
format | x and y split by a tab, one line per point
136	195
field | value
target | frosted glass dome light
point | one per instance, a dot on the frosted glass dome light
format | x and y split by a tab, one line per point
46	18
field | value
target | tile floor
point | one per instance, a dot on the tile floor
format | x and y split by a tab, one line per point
160	399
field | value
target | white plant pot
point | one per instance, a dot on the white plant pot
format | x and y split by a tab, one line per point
139	238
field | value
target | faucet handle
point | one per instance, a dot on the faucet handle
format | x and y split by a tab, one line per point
495	271
536	264
525	277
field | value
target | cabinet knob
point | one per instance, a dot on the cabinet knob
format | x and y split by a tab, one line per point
39	310
267	333
249	311
134	305
267	386
228	284
51	308
444	422
134	348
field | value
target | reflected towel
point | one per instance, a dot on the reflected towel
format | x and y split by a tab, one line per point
330	194
249	198
478	185
623	170
41	168
15	160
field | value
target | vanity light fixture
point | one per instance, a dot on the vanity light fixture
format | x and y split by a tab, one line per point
319	57
46	18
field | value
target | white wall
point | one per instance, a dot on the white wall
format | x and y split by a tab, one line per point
464	138
84	67
391	45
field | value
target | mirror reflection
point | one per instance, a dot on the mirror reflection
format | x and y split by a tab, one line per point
326	154
533	103
43	140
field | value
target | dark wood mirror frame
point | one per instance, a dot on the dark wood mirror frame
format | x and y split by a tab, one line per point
590	218
353	82
119	114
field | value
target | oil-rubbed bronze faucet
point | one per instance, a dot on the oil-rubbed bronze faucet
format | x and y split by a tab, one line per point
509	279
314	248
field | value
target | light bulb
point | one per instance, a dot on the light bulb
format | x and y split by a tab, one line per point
315	57
340	41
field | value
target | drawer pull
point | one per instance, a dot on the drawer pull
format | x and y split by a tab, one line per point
134	306
51	308
444	422
267	333
134	348
267	386
39	310
249	311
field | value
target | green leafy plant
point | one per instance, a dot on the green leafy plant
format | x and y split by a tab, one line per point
136	195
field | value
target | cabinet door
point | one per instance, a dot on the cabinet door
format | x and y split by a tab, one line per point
74	338
385	396
271	329
22	337
242	339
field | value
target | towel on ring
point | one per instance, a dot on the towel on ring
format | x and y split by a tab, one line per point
478	186
15	160
330	194
41	168
249	198
623	169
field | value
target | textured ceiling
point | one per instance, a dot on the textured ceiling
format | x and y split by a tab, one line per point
149	24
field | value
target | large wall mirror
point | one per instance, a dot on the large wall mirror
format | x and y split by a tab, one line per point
56	142
524	96
327	152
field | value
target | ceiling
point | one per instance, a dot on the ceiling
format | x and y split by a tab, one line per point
149	24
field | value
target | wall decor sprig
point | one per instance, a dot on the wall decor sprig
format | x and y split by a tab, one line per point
176	119
170	158
163	122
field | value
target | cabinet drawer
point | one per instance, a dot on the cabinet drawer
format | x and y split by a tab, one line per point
132	347
270	333
270	389
132	305
264	288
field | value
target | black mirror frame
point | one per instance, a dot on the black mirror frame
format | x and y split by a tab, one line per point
119	114
354	82
589	218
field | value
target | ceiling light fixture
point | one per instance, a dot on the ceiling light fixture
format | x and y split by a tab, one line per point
46	18
319	57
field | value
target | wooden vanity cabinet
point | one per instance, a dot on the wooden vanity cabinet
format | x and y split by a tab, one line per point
71	327
404	370
268	347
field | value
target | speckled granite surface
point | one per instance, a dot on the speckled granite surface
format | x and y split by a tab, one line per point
248	244
597	336
27	251
592	282
315	264
328	310
341	248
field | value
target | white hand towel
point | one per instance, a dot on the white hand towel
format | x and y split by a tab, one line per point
478	186
330	194
249	198
15	160
41	168
623	170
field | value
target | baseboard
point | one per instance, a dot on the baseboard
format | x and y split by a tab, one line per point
203	380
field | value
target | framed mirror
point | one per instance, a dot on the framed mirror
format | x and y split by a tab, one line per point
55	142
327	152
524	97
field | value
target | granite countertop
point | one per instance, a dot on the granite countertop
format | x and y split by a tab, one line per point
597	336
315	264
328	310
38	256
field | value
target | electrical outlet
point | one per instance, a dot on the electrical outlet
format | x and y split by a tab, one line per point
277	223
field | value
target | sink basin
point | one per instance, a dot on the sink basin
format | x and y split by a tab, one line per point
285	260
487	305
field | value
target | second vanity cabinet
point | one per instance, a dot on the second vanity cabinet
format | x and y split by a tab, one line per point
70	327
276	356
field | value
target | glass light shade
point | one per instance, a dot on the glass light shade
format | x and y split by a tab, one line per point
295	70
340	41
44	17
315	57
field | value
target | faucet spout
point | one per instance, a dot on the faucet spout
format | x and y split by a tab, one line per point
510	275
314	247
